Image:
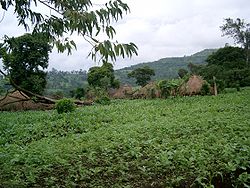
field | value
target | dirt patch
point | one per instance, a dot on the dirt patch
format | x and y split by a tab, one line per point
18	101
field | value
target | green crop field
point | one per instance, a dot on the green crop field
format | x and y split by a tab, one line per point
201	141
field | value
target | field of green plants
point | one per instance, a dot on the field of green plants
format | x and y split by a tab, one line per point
201	141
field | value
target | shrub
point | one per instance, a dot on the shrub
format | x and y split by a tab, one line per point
103	100
65	105
164	87
205	89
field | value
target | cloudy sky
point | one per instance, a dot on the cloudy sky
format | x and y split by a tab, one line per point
160	28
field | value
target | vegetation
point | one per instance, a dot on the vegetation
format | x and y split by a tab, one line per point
103	77
142	75
166	68
25	59
180	142
240	32
78	93
103	100
227	65
182	73
65	82
168	86
64	106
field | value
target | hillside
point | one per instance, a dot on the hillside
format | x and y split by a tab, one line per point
166	68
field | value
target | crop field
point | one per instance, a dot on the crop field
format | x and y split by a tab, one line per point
201	141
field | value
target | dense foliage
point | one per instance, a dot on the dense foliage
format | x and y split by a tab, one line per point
178	142
166	68
239	30
65	106
103	76
65	83
142	75
25	59
228	64
182	72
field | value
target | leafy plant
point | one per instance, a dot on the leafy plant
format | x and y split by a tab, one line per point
64	106
205	89
130	143
105	100
142	75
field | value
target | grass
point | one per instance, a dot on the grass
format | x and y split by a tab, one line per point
178	142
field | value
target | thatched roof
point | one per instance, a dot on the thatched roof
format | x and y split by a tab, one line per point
18	100
149	91
192	86
123	92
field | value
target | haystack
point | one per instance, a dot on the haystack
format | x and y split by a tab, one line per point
123	92
148	92
17	101
192	86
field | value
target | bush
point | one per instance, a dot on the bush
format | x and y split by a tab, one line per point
103	100
65	105
205	89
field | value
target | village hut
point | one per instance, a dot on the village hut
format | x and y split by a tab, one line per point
123	92
192	87
148	92
17	101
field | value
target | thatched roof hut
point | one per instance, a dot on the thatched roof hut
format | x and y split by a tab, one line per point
148	92
123	92
18	100
192	87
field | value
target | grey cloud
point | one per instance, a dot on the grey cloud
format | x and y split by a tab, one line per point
160	29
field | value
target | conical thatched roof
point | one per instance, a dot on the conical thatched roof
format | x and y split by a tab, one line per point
192	86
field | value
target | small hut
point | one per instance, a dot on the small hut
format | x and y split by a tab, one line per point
18	100
123	92
192	87
148	92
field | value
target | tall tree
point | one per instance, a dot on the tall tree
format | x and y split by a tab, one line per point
102	76
240	32
25	59
142	75
79	16
228	65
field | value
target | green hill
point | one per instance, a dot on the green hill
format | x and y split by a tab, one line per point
166	68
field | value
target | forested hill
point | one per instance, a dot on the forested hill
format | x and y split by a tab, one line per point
166	68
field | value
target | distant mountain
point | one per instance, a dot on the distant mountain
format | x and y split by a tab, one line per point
166	68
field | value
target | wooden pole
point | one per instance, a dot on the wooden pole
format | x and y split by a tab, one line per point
215	87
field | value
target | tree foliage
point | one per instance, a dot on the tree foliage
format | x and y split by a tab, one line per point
25	59
142	75
78	93
239	30
182	72
65	81
227	65
229	57
102	76
79	16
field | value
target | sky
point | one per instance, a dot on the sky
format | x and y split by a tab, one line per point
160	28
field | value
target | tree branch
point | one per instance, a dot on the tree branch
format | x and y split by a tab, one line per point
2	17
50	7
